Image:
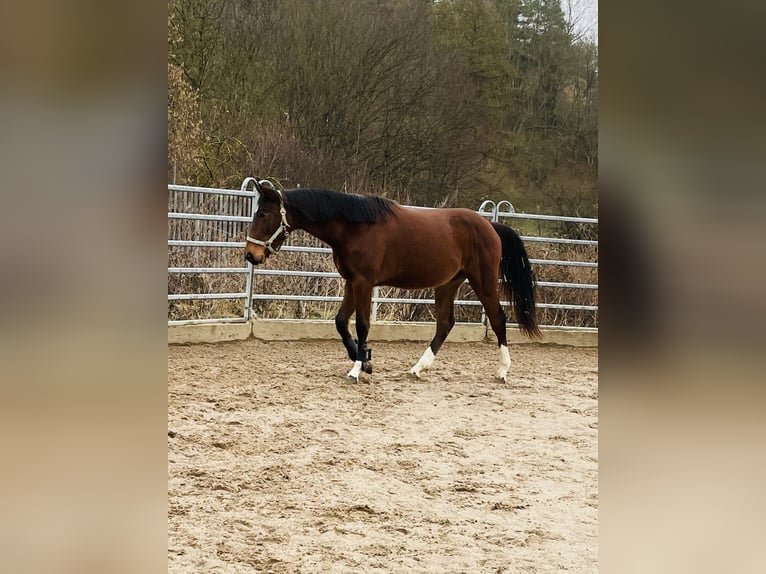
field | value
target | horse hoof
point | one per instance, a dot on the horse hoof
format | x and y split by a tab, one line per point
355	370
414	373
367	368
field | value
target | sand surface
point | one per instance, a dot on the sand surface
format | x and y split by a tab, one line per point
277	464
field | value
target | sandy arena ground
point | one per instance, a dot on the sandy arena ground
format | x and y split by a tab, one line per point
277	464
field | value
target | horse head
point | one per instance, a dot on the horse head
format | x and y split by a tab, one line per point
269	226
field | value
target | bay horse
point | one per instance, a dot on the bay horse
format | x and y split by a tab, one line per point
376	241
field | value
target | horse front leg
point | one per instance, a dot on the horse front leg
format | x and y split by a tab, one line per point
342	319
363	299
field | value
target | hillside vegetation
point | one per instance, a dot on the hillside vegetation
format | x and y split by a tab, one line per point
431	103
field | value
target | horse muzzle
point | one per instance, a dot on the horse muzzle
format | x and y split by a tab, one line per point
255	260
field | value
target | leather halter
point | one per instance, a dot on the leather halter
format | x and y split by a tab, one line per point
283	228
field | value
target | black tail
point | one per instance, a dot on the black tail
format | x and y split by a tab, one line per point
518	280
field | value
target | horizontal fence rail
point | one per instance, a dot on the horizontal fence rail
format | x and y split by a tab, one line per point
207	274
411	301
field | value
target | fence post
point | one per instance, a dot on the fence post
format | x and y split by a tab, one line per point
249	283
375	295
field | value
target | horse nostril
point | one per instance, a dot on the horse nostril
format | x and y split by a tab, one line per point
249	258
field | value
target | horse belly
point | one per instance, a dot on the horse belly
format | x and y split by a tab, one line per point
420	271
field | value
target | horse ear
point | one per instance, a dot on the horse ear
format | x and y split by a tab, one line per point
268	190
266	184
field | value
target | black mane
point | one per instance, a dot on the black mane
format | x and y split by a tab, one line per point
321	205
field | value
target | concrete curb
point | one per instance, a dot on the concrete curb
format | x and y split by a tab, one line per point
296	330
209	333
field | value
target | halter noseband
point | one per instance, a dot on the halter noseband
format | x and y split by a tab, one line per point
283	227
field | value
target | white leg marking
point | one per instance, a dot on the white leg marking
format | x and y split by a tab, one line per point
505	363
425	361
355	370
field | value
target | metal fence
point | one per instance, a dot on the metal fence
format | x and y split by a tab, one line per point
209	281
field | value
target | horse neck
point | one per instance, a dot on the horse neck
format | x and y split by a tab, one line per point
331	232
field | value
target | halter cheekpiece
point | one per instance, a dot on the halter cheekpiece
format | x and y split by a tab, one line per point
283	226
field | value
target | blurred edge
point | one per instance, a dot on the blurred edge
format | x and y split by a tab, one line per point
681	144
83	337
82	342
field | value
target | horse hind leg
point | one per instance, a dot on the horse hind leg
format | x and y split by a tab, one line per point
486	291
505	359
497	321
444	297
